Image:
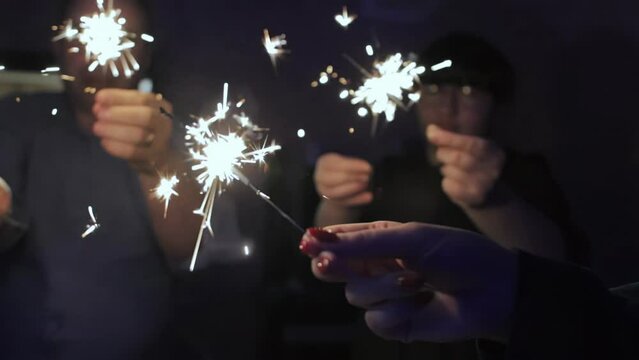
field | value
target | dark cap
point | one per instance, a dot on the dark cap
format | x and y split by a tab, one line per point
475	62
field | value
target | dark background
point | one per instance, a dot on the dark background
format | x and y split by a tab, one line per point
577	92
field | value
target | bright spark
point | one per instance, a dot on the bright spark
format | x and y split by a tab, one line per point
165	190
105	40
247	250
54	111
2	67
301	133
92	226
344	19
369	50
442	65
50	69
274	46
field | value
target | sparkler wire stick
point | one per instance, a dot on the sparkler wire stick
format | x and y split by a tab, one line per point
244	180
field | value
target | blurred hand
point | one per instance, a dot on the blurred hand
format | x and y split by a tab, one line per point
471	166
343	180
446	284
131	127
5	200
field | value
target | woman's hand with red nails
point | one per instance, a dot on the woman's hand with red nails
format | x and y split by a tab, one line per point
420	281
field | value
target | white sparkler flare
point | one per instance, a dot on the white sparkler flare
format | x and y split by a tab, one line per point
92	226
220	156
165	190
274	46
106	41
386	87
344	19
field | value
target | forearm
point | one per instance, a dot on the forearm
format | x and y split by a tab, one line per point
513	223
328	213
564	312
178	231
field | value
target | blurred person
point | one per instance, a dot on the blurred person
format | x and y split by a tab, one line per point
462	176
421	282
459	176
106	296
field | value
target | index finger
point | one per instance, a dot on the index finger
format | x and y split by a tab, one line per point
342	228
110	97
403	241
440	137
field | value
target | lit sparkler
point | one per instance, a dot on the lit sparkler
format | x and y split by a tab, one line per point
105	39
220	156
391	83
385	87
92	226
165	190
274	46
344	19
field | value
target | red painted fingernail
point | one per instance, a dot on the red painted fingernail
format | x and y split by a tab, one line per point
323	263
322	235
309	248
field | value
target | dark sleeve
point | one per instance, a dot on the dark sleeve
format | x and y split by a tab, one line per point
11	232
529	176
564	312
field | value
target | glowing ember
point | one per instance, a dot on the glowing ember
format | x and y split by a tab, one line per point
92	226
344	19
165	190
274	46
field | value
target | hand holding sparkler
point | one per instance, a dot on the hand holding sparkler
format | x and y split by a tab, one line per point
343	184
471	165
132	127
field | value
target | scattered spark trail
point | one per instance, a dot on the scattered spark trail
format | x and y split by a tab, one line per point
274	46
92	226
369	50
165	190
442	65
50	69
105	40
344	19
219	156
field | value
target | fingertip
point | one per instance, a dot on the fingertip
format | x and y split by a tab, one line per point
308	246
322	235
431	131
101	96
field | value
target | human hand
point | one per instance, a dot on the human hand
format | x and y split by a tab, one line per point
343	180
471	166
5	200
131	127
447	285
